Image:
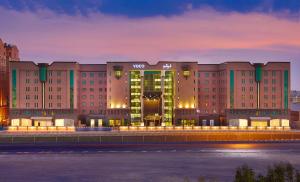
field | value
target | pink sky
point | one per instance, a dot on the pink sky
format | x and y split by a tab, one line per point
204	35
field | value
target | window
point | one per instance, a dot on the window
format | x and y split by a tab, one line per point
83	82
273	81
92	104
251	73
273	73
91	82
265	81
27	73
206	75
243	81
265	73
58	81
83	97
58	73
243	97
83	104
243	73
83	74
91	89
50	73
91	74
91	96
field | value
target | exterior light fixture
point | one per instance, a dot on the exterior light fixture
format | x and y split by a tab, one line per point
186	70
118	71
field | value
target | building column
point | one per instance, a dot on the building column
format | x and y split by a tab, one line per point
162	79
141	96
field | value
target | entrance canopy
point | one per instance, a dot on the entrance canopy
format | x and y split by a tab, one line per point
260	118
41	118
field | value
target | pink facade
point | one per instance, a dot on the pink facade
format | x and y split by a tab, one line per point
118	92
92	89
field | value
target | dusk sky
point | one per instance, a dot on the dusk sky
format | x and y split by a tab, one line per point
207	31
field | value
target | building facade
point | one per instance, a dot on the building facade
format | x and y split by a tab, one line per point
143	94
295	96
7	53
43	94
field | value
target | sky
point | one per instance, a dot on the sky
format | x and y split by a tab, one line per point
207	31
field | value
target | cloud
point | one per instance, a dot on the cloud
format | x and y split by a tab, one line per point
204	35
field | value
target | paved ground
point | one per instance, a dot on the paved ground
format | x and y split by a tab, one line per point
139	162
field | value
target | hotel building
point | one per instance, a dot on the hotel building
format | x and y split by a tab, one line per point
7	53
143	94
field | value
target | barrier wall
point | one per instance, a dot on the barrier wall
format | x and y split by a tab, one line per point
151	137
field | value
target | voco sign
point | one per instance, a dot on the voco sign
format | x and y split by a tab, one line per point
138	66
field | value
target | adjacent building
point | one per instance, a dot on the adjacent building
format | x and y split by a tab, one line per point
143	94
295	96
7	53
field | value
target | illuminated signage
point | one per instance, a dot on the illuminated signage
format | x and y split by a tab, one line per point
167	66
138	66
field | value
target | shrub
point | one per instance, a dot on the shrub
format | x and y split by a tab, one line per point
244	174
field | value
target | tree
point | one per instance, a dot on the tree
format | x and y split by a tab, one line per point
244	174
282	172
